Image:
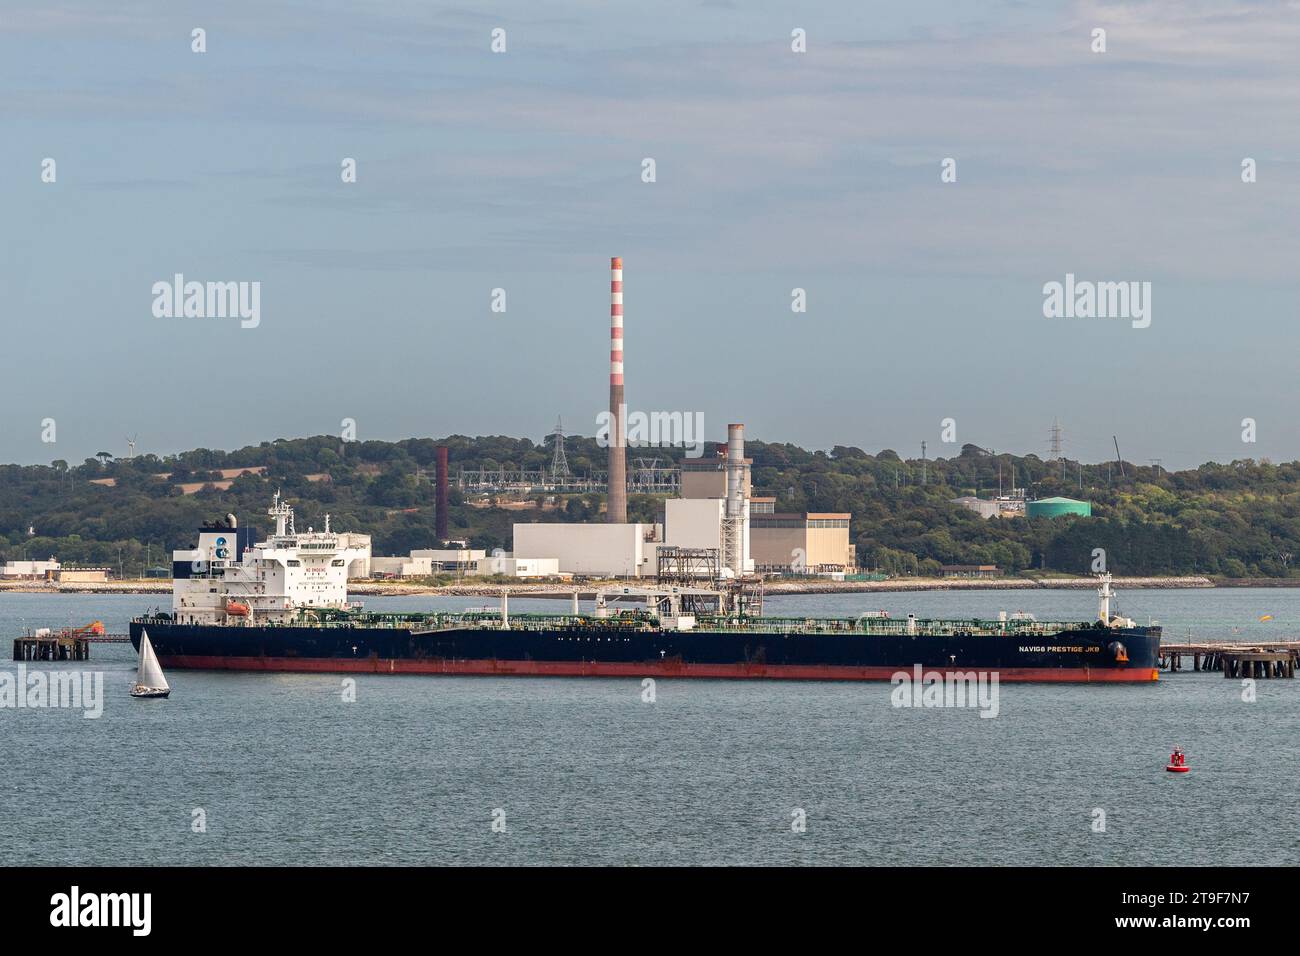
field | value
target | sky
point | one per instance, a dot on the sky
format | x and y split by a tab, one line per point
775	170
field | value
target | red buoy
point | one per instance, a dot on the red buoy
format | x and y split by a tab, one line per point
1178	762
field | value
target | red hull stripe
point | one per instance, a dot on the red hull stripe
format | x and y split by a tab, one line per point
1074	675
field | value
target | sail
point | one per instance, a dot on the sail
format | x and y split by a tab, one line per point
150	673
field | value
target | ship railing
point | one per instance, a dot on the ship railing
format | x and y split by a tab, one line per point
888	627
892	627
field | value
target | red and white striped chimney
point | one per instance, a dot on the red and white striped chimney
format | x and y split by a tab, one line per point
616	510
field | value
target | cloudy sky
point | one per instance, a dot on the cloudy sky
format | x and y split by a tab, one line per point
775	170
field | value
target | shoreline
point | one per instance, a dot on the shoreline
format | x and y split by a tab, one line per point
777	587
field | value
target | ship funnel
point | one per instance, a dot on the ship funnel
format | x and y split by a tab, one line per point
233	521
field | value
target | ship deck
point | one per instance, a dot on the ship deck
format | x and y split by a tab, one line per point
884	627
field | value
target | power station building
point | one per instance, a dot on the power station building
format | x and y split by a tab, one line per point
714	517
803	542
715	514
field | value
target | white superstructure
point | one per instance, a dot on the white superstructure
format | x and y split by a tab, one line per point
230	579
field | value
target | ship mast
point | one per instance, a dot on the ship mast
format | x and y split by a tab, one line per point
283	515
1104	594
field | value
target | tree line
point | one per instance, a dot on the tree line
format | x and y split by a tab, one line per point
1240	519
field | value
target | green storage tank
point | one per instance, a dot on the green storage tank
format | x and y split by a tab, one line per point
1056	507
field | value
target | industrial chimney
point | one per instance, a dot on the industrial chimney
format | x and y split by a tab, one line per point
616	511
440	476
733	522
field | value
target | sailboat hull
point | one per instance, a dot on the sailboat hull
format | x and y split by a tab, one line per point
149	692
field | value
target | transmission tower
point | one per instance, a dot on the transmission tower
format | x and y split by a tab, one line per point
559	464
1056	440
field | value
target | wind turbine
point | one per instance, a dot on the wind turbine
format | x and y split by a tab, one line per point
130	445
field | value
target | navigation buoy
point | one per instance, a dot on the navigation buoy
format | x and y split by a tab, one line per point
1178	762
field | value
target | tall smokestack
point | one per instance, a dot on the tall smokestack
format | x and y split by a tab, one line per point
441	518
733	531
616	512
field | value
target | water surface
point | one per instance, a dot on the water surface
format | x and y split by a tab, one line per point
286	772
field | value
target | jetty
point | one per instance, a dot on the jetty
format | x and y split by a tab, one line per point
66	644
1234	659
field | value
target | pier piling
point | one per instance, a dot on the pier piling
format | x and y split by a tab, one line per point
61	646
1236	661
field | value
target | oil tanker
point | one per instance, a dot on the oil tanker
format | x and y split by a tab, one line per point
282	605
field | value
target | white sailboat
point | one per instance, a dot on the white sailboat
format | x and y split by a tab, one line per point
149	679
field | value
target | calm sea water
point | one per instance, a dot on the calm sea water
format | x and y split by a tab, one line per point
585	772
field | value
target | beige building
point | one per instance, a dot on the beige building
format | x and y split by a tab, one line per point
811	542
78	575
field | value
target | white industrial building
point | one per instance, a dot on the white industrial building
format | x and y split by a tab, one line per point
357	544
451	559
408	567
599	550
516	567
981	506
425	562
1003	506
701	523
28	569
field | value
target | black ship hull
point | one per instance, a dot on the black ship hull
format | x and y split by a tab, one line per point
1082	654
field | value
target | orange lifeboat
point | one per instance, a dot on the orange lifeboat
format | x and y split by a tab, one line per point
235	609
